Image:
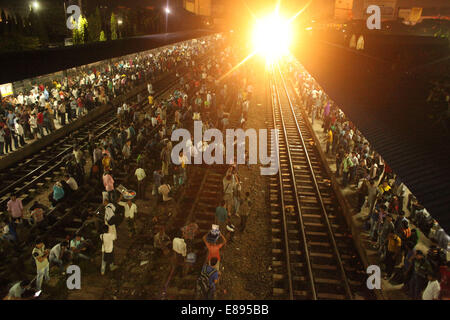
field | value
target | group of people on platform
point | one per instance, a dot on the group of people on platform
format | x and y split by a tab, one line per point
391	230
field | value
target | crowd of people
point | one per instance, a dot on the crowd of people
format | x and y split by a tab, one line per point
109	157
29	115
381	191
138	151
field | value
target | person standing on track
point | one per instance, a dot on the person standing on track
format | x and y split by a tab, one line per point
130	214
15	208
141	181
214	249
107	238
245	210
108	182
40	255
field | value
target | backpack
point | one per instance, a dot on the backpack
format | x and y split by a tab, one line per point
202	286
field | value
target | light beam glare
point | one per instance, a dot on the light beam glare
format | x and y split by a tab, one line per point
298	13
237	66
250	11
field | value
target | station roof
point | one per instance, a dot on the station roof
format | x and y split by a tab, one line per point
17	66
389	108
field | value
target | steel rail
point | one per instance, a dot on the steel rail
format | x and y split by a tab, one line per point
317	189
294	186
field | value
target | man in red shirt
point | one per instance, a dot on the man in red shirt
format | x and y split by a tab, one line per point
213	249
40	123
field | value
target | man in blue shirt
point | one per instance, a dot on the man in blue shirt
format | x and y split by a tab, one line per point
209	271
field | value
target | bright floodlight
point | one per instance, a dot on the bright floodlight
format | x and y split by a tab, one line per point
272	36
35	4
167	10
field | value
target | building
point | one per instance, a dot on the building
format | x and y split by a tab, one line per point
409	10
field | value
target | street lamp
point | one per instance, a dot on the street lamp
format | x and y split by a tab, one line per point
35	5
120	29
167	10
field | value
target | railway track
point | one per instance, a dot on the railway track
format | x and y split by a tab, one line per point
313	254
69	216
32	173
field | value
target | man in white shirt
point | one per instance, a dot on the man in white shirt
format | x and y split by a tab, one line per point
140	176
179	254
107	239
130	211
432	290
56	255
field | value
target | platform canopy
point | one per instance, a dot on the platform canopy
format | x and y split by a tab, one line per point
389	107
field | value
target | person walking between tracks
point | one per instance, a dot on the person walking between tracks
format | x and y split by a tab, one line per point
164	191
221	216
130	212
189	231
107	238
165	158
245	210
141	182
179	256
40	255
214	248
229	184
15	208
108	182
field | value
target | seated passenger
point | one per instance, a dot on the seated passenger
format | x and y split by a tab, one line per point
8	232
57	254
77	246
57	195
17	291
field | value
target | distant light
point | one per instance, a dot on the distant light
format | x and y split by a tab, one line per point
167	9
272	36
119	21
309	28
35	4
231	30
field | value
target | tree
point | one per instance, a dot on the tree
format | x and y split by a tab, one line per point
80	33
95	25
113	27
102	36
